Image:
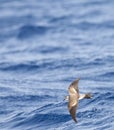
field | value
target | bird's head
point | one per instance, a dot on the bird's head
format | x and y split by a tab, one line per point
66	98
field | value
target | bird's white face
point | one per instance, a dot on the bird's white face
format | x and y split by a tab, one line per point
66	98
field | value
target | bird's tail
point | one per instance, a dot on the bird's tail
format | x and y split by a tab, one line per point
88	95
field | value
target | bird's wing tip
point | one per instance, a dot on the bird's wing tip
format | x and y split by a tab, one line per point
75	120
79	78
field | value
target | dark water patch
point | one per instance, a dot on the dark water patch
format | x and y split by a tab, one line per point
97	78
43	108
40	65
100	61
103	123
50	107
5	1
67	63
26	98
109	24
18	67
7	23
7	35
88	64
27	31
108	75
9	26
93	13
97	97
4	111
93	113
53	64
6	89
106	99
19	116
109	58
106	127
106	89
42	120
15	51
85	25
60	19
94	3
22	67
96	62
11	120
51	49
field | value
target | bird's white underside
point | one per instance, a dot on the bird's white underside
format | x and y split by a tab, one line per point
81	96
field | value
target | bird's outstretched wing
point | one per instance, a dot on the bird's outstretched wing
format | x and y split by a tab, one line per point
74	84
72	106
73	98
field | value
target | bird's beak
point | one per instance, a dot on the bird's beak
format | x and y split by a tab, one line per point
64	98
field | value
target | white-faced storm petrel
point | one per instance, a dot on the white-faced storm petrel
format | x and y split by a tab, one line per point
74	97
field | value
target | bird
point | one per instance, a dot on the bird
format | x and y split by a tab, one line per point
74	97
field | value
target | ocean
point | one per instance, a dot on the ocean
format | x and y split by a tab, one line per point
44	46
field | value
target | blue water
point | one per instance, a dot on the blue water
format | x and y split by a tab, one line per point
44	46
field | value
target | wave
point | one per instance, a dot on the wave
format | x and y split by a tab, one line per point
19	67
53	114
43	47
43	119
27	31
108	75
36	66
86	25
52	64
25	98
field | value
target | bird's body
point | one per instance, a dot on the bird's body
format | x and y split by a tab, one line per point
74	97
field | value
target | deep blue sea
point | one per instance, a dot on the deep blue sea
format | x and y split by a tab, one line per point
44	46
